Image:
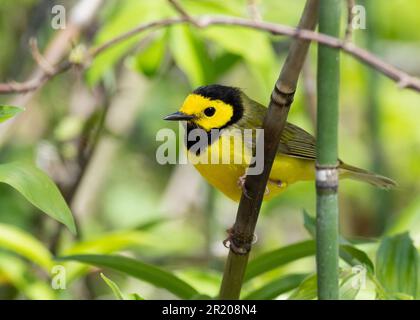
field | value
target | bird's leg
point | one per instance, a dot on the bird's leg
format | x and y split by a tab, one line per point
241	184
267	191
228	241
278	183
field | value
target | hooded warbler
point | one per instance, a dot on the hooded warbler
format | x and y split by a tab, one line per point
226	110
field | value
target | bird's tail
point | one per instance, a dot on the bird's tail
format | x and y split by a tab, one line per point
347	171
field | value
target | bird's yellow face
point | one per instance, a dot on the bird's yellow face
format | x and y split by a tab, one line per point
211	107
206	113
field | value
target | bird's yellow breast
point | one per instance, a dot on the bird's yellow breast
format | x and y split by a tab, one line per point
224	175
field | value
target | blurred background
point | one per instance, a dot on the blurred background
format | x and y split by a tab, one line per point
94	132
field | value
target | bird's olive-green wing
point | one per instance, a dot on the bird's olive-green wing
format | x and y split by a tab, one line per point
294	141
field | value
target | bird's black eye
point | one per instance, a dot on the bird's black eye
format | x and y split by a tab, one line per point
210	111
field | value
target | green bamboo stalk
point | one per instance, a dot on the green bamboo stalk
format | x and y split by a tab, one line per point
209	223
274	122
382	199
327	153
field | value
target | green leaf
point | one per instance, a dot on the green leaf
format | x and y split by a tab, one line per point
222	64
275	288
137	269
190	54
107	243
152	223
24	244
307	290
406	220
274	259
7	112
110	242
397	265
201	297
402	296
309	222
354	256
114	287
238	41
205	7
207	280
348	289
38	189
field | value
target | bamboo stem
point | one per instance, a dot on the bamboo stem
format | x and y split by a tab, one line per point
327	154
403	79
274	122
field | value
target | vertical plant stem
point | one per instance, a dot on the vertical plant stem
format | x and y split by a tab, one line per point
274	122
327	145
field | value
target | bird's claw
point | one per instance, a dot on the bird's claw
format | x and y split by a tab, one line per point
241	184
230	244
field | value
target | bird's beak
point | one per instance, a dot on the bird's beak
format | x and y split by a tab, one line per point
178	116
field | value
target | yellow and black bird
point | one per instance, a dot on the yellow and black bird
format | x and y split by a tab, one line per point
229	110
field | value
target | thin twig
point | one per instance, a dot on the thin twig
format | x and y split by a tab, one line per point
86	147
39	58
309	91
274	122
33	84
81	16
254	12
133	32
403	79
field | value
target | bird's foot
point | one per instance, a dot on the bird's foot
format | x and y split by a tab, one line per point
241	184
278	183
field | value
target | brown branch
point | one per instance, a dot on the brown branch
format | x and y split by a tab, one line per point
133	32
178	8
80	17
86	145
33	84
309	91
39	58
403	79
274	122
